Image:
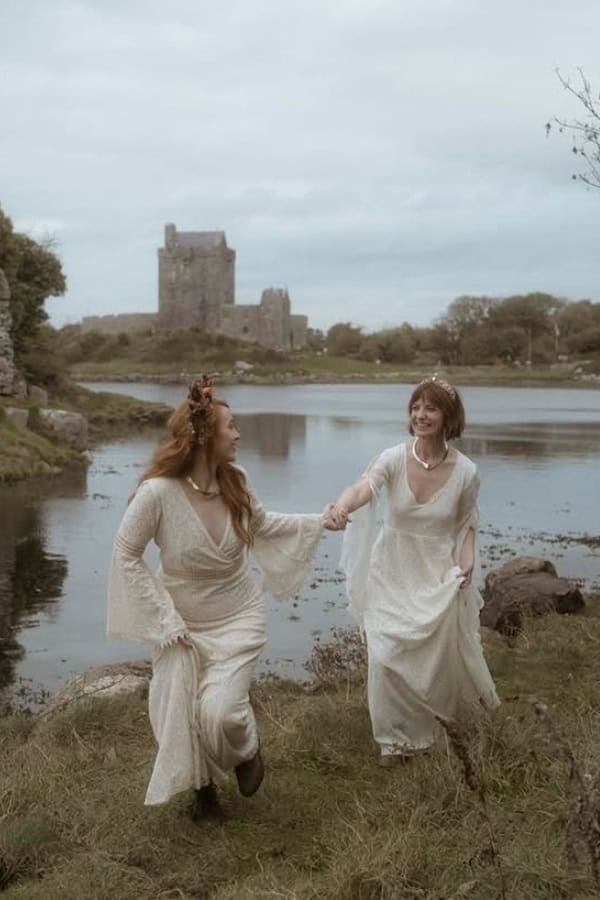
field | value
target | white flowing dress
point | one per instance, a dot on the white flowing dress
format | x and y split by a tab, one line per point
422	629
198	703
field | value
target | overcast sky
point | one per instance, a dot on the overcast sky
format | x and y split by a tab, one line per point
378	158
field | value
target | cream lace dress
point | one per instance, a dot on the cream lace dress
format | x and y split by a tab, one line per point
199	706
422	629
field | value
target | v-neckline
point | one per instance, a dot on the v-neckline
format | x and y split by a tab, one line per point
435	494
199	519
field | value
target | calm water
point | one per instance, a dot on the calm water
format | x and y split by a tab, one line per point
537	451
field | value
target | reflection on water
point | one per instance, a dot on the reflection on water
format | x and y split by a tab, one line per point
31	578
272	434
537	453
533	440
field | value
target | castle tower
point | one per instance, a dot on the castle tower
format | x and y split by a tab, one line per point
196	278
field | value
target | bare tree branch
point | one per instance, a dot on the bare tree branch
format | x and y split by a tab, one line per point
585	132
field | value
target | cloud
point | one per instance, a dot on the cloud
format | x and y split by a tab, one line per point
378	158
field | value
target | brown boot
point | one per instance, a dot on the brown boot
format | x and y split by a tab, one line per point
250	774
206	806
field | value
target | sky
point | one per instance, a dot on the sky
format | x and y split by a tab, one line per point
376	157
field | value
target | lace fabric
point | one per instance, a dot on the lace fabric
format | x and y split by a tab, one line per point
199	707
422	629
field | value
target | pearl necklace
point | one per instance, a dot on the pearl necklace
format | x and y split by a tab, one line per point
429	466
210	495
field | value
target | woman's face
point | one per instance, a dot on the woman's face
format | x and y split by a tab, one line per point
427	420
227	436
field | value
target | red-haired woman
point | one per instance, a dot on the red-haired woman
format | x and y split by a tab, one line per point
410	588
203	610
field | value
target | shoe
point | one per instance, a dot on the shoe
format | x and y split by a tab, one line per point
250	774
206	806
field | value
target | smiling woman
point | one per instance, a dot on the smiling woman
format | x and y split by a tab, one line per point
203	610
411	587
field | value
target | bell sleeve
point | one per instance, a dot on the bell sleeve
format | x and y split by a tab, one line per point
467	518
139	606
360	533
284	547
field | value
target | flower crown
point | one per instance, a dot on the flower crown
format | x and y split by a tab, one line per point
435	379
200	398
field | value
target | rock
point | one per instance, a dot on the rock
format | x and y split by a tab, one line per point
17	416
102	681
19	390
526	586
243	366
521	565
68	427
37	395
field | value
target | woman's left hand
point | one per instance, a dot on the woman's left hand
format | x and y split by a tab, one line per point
336	518
466	576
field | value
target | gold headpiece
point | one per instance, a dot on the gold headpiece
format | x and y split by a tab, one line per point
435	379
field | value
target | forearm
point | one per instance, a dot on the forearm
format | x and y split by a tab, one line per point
466	557
355	496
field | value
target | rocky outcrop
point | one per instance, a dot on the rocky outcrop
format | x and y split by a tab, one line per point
17	416
7	357
102	681
37	395
69	428
526	586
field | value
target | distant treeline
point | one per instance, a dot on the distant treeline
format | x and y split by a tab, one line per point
472	331
538	328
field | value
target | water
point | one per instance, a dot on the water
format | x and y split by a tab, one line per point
537	452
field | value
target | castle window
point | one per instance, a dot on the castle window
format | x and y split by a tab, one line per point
245	329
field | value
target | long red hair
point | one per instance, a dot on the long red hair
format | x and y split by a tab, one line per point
175	459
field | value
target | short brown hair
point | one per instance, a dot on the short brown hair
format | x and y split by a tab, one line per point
452	407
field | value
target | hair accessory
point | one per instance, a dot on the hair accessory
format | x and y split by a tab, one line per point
200	397
435	379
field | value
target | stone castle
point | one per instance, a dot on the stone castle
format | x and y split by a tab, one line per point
196	288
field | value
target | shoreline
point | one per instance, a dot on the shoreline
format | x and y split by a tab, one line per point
29	451
289	379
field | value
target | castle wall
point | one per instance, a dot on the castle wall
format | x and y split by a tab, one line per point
241	322
270	323
116	324
299	331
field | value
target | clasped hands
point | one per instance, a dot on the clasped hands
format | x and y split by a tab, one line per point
336	517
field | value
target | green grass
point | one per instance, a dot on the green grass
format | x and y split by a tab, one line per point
328	824
298	368
25	454
104	410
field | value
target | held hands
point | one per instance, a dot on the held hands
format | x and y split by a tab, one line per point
336	517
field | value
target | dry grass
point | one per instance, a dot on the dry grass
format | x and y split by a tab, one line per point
329	824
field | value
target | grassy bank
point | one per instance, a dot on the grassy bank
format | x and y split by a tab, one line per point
298	369
328	823
25	454
31	452
109	413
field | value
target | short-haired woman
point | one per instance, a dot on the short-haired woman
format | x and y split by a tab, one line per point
204	611
410	588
